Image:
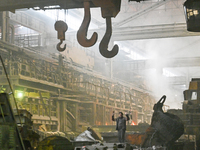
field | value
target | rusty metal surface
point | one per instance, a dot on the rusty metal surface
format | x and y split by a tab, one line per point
61	27
165	128
108	11
135	139
109	8
103	46
82	32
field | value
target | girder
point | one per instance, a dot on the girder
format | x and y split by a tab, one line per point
152	32
164	63
140	13
10	5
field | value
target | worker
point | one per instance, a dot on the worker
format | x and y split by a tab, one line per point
121	125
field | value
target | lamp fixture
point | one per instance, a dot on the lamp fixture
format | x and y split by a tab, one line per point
192	15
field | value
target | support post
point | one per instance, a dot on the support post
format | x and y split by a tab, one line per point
76	117
5	25
104	115
94	113
62	115
58	114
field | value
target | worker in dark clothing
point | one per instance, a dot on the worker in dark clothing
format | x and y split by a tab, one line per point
121	125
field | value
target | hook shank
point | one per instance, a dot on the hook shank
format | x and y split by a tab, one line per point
103	46
82	32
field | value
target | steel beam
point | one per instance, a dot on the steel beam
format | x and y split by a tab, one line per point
10	5
152	32
140	13
170	63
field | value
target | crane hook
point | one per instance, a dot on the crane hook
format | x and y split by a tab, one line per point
162	99
82	32
61	27
103	46
59	48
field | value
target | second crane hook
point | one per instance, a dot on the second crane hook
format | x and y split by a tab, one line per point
82	32
103	46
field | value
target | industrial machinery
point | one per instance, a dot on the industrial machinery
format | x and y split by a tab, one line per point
191	10
15	127
164	130
25	125
190	113
10	137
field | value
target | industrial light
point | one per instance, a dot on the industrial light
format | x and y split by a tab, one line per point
19	94
192	15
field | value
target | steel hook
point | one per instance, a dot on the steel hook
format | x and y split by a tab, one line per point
82	32
103	46
162	99
59	48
